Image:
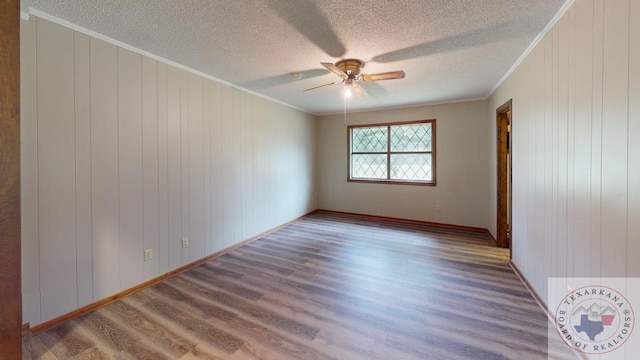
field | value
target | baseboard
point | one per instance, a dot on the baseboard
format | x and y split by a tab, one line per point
531	290
413	221
538	299
491	237
108	300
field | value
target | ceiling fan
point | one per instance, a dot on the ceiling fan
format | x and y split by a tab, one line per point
348	70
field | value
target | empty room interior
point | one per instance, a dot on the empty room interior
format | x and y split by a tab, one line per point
321	180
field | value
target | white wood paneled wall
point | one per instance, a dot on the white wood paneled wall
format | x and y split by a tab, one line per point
122	153
576	146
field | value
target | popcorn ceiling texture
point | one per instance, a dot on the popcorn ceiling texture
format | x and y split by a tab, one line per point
450	50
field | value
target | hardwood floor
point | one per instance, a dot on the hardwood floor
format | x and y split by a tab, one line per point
329	286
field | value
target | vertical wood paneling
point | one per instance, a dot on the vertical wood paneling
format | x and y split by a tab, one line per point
195	169
518	172
633	230
274	153
130	168
82	115
174	168
217	167
596	139
582	136
240	129
236	163
592	173
284	130
547	150
29	174
56	169
555	149
525	143
563	95
571	224
268	156
247	123
287	157
228	178
133	154
523	163
252	176
259	165
150	164
520	161
529	183
184	160
277	131
615	103
163	186
538	180
104	169
206	156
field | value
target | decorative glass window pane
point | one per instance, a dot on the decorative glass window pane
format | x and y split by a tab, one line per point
369	139
415	167
410	138
369	166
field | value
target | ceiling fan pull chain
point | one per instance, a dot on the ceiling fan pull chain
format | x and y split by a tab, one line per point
345	111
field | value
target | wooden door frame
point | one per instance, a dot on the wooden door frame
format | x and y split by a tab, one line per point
503	120
10	279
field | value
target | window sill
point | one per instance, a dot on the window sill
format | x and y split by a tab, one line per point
394	182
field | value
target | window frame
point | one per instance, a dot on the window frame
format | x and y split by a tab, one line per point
388	153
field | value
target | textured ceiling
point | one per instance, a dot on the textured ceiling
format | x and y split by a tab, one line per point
450	49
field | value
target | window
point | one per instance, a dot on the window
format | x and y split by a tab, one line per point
402	153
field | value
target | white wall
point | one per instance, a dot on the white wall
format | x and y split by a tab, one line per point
576	146
122	153
462	167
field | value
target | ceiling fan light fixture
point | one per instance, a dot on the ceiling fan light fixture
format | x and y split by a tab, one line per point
348	70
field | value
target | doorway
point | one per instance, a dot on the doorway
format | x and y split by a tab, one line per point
504	146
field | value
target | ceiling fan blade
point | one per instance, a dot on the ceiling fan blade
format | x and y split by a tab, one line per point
322	33
334	69
321	86
359	90
384	76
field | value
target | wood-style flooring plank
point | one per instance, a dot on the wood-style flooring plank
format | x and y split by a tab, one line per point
329	286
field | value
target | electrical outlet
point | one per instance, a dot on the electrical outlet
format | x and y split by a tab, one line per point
439	208
185	242
148	255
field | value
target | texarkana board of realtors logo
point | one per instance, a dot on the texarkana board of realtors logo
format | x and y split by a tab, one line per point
595	319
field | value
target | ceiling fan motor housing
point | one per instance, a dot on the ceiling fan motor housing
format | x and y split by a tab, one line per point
350	66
